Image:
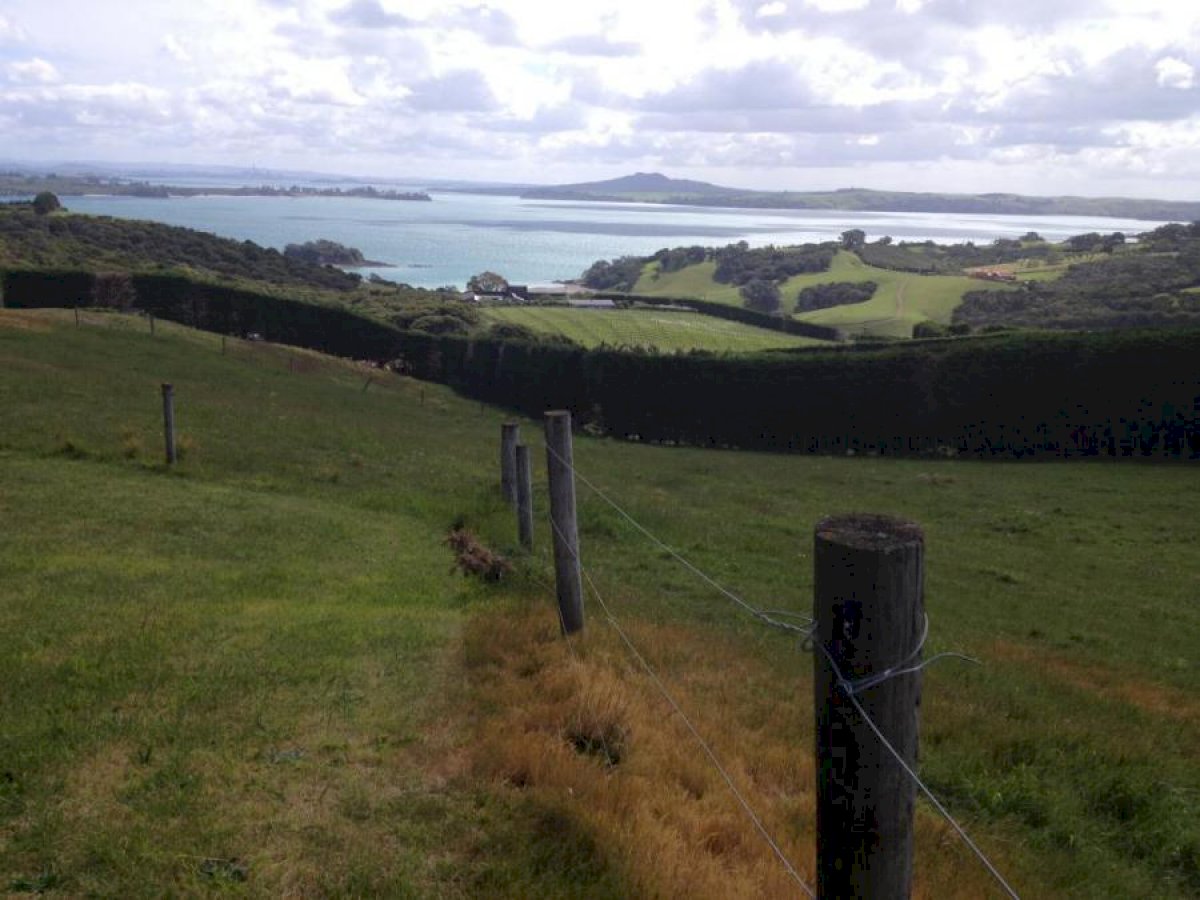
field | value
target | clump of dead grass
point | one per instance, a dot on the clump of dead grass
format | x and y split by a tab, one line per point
473	558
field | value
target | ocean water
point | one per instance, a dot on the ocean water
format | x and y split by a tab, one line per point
448	240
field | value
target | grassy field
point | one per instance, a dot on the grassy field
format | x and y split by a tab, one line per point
661	329
254	675
901	300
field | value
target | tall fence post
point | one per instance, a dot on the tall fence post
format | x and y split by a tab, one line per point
868	607
77	317
560	469
168	395
524	497
509	436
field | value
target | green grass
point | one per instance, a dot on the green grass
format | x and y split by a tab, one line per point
901	300
661	329
257	664
692	281
246	658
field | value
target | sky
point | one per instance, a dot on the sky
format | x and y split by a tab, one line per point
1091	97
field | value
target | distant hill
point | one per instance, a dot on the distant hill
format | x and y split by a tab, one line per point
653	187
639	186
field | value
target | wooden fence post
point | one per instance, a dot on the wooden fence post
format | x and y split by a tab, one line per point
152	323
560	471
510	434
868	607
77	317
524	497
168	397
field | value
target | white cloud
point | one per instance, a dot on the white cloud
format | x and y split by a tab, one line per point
835	6
174	48
11	32
780	88
1175	73
32	70
768	10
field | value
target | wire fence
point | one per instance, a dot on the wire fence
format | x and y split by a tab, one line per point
804	626
640	658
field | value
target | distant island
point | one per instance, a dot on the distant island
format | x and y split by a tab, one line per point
329	253
653	187
17	184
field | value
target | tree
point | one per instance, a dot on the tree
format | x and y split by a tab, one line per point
45	203
761	296
487	283
853	239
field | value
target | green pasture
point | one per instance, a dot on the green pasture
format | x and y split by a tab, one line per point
691	281
667	330
901	300
246	675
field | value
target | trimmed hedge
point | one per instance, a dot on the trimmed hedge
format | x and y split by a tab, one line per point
1121	394
1010	396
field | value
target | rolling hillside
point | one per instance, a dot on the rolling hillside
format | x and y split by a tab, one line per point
902	299
254	675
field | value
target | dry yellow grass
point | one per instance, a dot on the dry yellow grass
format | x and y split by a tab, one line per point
646	793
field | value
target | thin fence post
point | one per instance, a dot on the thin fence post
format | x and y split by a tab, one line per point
168	397
152	323
510	434
868	607
561	473
77	317
524	497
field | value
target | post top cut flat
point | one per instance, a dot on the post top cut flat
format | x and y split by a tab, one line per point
870	531
556	413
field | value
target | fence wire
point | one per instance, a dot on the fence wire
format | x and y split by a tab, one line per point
850	687
704	745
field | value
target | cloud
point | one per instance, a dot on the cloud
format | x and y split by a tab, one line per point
1129	85
10	32
88	106
463	90
593	45
493	26
174	49
548	120
369	14
315	81
32	70
769	10
770	84
1175	73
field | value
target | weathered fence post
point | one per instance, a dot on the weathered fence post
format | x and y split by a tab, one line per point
152	323
168	395
77	317
560	469
510	434
524	497
868	607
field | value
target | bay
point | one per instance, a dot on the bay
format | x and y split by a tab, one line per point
457	235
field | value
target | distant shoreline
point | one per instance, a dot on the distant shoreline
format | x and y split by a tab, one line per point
92	187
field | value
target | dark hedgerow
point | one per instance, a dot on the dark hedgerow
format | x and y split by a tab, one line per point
1117	394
